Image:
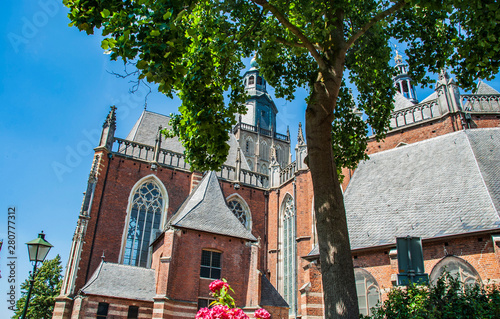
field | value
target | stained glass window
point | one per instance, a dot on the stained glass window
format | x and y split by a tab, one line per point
240	210
144	223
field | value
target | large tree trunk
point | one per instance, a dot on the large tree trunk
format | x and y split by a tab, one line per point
339	287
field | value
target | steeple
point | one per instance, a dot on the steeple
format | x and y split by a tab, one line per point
260	106
402	80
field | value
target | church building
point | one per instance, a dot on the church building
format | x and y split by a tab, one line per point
151	234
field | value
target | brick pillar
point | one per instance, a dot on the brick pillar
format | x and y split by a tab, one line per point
254	282
62	308
196	178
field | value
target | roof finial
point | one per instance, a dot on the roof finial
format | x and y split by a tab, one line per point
300	135
111	118
398	58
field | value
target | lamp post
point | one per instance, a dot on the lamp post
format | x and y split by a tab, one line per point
37	249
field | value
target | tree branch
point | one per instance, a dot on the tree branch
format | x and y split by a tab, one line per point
290	44
290	26
375	19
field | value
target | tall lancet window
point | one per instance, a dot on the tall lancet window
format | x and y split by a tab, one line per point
289	253
144	222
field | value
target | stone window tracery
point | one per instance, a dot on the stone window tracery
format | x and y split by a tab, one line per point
144	223
240	210
368	291
457	268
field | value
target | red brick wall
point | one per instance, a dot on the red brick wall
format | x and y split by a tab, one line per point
184	282
477	250
447	124
256	200
118	308
106	235
304	235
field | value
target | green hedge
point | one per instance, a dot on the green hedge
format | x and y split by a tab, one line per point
447	299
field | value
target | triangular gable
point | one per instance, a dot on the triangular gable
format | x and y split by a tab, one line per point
206	210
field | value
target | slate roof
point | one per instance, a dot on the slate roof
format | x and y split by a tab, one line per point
442	186
269	296
483	88
122	281
205	209
400	102
146	128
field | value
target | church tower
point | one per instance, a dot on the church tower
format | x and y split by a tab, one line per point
256	130
402	80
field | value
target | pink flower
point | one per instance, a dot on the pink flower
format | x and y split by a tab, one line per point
217	285
262	314
237	313
220	312
203	313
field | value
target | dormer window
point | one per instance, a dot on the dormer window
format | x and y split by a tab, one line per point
251	80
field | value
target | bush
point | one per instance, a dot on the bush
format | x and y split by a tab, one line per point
447	299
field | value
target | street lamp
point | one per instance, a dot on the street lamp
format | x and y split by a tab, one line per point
37	249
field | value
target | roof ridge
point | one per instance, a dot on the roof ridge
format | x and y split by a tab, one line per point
480	172
429	140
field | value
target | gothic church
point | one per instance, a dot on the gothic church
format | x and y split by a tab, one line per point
151	235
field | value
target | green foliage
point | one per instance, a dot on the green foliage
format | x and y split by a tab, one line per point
194	49
46	288
447	299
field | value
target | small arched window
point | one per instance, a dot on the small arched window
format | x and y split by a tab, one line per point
264	151
249	146
250	164
251	80
240	209
144	222
456	267
263	169
367	290
259	80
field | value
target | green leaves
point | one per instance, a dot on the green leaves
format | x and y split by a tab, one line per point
447	298
46	288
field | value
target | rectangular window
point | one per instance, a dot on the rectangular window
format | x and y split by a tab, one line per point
133	312
102	310
204	303
210	264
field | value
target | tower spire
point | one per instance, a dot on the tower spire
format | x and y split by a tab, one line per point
402	80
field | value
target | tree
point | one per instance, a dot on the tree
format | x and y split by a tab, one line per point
46	288
194	49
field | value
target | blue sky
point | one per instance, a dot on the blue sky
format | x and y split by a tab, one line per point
55	94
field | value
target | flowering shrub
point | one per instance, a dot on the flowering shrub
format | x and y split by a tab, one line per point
216	285
224	307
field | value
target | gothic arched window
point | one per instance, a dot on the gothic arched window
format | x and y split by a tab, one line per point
145	216
240	209
249	148
289	252
263	169
456	267
367	290
264	151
